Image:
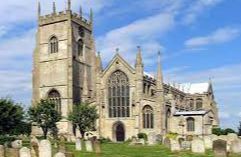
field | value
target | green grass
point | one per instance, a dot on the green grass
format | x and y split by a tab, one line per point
125	150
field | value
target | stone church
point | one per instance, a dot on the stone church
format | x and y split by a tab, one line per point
68	70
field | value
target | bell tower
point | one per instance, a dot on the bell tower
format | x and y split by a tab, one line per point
64	61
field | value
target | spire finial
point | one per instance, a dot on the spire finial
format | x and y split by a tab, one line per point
54	8
91	15
117	50
80	11
139	57
39	9
69	5
159	71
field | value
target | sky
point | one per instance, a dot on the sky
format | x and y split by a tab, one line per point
198	39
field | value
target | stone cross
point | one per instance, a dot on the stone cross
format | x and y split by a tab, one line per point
25	152
220	148
45	149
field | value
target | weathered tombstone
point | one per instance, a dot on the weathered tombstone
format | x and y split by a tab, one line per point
97	146
2	151
152	138
208	142
24	152
78	145
12	152
88	146
69	154
34	147
167	142
45	149
141	141
235	146
59	154
232	136
17	144
186	145
175	146
220	148
197	146
159	138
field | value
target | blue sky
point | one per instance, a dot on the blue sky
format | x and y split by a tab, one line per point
199	40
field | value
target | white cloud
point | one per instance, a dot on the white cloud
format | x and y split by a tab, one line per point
221	35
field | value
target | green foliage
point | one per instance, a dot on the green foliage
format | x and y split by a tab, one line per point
172	135
239	129
45	116
104	140
4	139
142	135
84	116
219	131
11	117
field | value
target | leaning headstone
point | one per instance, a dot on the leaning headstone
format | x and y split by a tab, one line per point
197	146
45	149
208	142
12	152
167	142
2	151
220	148
25	152
78	146
235	146
17	144
152	138
97	146
88	146
175	146
59	154
34	147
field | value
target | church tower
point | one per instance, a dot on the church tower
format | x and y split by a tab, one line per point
64	61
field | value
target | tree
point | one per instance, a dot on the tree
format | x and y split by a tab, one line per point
45	116
228	130
219	131
11	117
84	116
239	129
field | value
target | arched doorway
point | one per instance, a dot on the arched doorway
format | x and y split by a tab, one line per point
119	132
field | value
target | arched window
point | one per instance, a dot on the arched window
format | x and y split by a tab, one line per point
148	117
190	124
53	45
191	103
55	97
199	104
80	47
118	95
167	119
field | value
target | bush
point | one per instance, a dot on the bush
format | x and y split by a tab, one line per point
104	140
6	139
142	135
172	135
219	131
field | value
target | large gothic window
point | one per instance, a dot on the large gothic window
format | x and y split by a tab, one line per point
199	104
55	98
148	117
190	124
118	95
53	45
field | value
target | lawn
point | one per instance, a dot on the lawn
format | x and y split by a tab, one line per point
125	150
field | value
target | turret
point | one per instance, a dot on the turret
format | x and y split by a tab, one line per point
69	5
159	73
98	63
139	75
54	8
39	9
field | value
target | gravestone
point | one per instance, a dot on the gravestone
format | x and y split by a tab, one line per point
167	142
220	148
152	138
2	151
59	154
141	141
197	146
159	138
208	142
24	152
17	144
232	136
175	146
235	146
78	145
186	145
34	146
12	152
88	146
45	149
69	154
97	146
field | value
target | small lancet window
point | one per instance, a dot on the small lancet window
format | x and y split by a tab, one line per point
199	104
80	48
54	45
190	124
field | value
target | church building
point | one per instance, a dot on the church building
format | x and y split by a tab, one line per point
68	70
